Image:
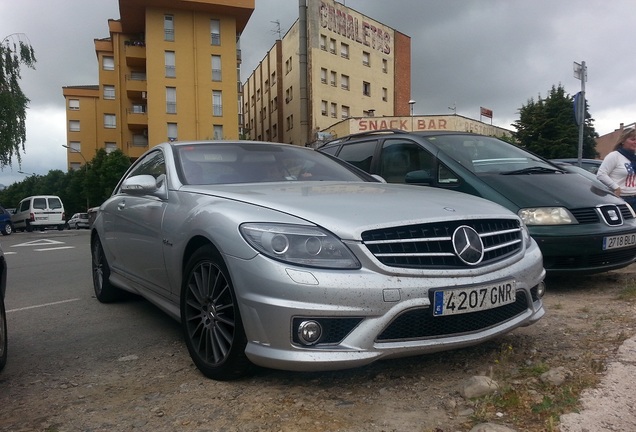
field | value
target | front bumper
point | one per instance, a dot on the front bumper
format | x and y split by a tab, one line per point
274	298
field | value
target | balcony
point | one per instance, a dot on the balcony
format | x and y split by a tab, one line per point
136	116
136	55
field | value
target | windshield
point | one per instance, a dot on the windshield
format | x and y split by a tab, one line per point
235	162
482	154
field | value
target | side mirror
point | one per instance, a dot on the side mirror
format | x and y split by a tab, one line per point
140	185
419	177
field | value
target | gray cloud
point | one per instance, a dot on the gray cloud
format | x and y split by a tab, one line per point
492	53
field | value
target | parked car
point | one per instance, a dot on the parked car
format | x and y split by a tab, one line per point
279	256
39	212
78	220
3	312
580	227
6	226
579	170
590	165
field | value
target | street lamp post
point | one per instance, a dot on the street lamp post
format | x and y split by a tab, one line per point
72	150
411	104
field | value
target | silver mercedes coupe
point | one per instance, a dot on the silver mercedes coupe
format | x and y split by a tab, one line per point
279	256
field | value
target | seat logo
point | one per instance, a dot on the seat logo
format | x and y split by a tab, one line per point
468	245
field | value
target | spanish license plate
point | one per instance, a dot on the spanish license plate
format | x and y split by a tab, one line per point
619	241
466	300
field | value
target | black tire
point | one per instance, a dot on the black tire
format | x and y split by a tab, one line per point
105	292
3	334
7	229
76	227
210	318
27	226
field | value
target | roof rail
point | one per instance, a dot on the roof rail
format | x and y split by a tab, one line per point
368	133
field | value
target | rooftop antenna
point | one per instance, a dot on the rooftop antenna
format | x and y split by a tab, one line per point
277	30
453	108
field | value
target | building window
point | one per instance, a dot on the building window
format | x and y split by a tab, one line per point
323	42
344	50
366	58
366	88
171	100
274	130
172	131
73	104
273	78
344	111
217	132
334	110
110	147
289	94
109	92
108	63
323	75
275	103
76	146
332	46
76	166
385	94
74	125
110	121
344	82
385	66
323	107
139	108
216	68
266	85
258	94
288	65
168	27
170	64
290	122
217	103
215	32
332	79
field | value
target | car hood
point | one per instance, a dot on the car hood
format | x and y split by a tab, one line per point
542	190
349	208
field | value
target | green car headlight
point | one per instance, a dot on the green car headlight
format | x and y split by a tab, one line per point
547	216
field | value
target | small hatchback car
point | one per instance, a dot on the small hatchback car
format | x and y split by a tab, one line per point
283	257
78	220
579	226
3	312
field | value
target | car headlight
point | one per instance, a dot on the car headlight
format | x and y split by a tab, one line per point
547	216
299	245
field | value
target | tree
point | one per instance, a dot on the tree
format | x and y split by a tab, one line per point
13	102
548	127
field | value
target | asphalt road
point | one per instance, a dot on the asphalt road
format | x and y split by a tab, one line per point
54	321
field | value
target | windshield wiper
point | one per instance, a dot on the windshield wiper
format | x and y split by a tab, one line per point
534	170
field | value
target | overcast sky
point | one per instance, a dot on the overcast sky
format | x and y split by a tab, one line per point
466	54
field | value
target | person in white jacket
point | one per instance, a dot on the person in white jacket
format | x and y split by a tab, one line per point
618	169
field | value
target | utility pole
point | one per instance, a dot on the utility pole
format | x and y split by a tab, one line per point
580	72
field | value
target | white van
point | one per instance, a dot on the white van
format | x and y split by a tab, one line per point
39	212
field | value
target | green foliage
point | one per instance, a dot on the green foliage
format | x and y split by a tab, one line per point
13	103
78	189
548	128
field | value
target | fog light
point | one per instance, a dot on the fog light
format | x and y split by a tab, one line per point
309	332
541	289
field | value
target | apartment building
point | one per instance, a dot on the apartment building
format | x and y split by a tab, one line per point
334	63
169	70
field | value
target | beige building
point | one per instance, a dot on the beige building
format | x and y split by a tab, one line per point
605	144
169	70
334	63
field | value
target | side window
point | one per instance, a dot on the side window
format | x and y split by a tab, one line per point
24	206
445	176
152	164
359	154
330	150
400	157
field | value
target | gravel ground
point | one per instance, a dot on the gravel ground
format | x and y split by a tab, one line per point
159	389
